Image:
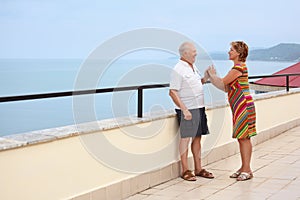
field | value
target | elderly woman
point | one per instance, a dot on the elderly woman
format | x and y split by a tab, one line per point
236	84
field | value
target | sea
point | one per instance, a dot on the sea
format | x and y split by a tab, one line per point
38	76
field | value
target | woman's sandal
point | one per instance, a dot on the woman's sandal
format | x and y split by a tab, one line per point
235	174
244	176
188	176
205	174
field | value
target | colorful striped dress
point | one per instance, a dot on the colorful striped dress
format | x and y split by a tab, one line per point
242	105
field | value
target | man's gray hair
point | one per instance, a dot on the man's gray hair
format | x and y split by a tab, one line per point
184	47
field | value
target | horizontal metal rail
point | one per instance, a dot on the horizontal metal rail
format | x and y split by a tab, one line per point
287	80
79	92
85	92
274	75
117	89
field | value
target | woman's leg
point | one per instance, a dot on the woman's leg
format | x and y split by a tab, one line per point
246	152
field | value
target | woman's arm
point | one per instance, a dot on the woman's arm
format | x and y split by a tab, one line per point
217	82
222	83
214	79
231	76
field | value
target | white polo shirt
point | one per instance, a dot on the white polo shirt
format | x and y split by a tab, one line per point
188	84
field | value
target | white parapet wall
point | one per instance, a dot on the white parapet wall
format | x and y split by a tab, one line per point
123	156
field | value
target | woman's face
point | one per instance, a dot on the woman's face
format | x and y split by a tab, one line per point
233	54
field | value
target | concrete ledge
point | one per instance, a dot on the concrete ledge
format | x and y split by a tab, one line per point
53	134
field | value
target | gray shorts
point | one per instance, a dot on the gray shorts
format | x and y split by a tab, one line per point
195	127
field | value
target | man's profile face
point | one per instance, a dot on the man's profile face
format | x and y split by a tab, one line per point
190	54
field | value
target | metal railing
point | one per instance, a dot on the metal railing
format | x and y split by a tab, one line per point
117	89
85	92
287	80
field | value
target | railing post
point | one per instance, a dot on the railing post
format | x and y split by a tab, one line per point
287	83
140	102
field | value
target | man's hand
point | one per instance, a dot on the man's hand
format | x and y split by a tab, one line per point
206	77
187	114
211	71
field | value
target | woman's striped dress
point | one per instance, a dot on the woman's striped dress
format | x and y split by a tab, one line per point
242	105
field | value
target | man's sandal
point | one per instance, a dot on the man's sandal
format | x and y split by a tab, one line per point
205	174
244	176
188	176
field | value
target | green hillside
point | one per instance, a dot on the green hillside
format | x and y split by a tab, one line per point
280	52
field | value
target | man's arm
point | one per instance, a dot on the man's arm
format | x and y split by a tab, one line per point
176	99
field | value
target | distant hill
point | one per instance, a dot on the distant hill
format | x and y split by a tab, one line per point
280	52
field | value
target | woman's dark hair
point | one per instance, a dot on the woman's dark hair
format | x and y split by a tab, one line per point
242	48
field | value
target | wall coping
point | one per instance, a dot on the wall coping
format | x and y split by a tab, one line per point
53	134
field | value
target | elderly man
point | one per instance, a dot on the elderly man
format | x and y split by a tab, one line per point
186	91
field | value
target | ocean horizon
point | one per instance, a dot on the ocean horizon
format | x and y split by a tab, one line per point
37	76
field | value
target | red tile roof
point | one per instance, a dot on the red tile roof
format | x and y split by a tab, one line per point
281	81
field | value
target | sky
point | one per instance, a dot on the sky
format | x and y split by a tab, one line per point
73	28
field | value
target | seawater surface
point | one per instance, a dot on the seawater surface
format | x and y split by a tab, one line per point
36	76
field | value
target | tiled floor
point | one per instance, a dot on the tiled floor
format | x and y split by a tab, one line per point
276	166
